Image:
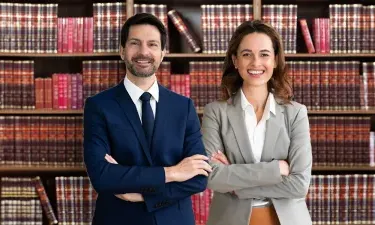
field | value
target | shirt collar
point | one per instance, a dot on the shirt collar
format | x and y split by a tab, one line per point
270	104
135	92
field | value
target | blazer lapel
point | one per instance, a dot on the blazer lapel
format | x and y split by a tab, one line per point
130	111
273	126
161	115
236	119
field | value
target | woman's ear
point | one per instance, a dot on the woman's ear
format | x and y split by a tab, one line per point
234	60
275	66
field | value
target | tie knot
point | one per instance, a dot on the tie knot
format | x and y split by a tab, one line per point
145	96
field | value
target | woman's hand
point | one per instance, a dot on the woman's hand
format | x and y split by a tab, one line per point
219	157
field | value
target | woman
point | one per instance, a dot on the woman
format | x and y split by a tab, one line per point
262	173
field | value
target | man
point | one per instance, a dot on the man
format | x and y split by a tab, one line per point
142	143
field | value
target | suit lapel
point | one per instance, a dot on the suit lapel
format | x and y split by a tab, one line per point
161	116
273	126
130	111
237	121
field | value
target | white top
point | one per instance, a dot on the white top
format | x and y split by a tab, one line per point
257	131
135	93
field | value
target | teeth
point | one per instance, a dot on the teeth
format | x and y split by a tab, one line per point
255	71
140	61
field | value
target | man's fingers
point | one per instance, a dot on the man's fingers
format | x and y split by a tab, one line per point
202	172
199	157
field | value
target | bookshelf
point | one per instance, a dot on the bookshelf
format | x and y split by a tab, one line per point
80	112
82	170
179	56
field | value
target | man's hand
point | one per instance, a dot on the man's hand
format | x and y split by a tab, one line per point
187	169
284	168
219	157
130	197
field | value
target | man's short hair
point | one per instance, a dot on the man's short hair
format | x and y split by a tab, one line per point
143	18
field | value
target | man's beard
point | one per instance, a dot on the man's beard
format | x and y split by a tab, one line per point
130	65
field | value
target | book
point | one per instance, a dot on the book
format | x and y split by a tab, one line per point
306	36
184	30
46	204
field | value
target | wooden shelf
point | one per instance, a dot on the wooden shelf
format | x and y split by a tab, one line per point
80	112
181	55
40	112
79	169
350	55
33	169
343	168
6	54
341	112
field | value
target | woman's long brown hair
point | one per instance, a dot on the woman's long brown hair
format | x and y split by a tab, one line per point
231	80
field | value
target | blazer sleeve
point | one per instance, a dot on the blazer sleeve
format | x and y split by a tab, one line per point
175	191
113	178
295	185
228	178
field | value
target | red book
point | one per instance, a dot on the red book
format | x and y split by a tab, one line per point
48	93
46	204
307	36
316	28
39	93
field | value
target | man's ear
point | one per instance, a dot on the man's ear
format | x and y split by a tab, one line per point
122	52
162	55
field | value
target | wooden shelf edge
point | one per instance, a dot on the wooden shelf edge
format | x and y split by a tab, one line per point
62	169
181	55
91	54
9	168
343	168
80	112
39	111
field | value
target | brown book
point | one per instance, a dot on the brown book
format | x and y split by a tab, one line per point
306	36
184	30
46	204
39	93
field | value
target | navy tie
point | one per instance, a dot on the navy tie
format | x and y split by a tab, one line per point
147	116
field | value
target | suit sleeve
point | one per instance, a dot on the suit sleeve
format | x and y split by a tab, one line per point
113	178
300	161
228	178
175	191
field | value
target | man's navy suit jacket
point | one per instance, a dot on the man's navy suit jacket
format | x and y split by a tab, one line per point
112	126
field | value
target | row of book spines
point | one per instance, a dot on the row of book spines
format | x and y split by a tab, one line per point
14	190
71	193
219	23
329	84
16	84
75	35
284	19
342	199
36	140
26	27
342	188
341	141
62	91
351	28
19	201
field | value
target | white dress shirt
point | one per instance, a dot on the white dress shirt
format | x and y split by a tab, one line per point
135	93
256	131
